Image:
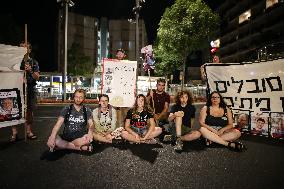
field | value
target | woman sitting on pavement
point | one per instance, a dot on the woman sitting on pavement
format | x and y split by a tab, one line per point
140	124
216	123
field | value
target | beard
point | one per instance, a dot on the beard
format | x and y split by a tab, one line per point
78	103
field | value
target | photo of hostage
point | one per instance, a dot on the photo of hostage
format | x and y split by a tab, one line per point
7	109
78	127
259	127
140	124
104	118
242	122
277	127
216	121
181	120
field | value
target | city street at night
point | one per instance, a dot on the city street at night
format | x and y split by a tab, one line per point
29	165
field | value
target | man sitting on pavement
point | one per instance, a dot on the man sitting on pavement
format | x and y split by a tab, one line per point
159	101
78	126
105	121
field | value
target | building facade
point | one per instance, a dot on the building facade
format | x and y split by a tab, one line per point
100	38
251	30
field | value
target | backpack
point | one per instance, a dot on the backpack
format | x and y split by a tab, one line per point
109	111
66	118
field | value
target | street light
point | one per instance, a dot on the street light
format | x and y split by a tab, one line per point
65	4
136	11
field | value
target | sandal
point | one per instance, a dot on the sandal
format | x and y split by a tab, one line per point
89	148
208	142
31	136
236	146
14	138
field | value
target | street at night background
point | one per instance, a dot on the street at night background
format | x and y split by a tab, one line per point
42	17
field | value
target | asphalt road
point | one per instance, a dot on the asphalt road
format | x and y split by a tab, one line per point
28	165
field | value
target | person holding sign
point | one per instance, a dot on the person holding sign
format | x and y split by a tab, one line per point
78	126
31	67
139	124
216	121
121	111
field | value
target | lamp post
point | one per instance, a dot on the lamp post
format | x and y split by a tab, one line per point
65	4
136	11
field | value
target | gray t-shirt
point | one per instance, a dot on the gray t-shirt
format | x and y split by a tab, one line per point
76	121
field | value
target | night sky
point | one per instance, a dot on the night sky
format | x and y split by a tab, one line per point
41	16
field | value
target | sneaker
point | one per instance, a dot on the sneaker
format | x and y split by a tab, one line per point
168	138
179	144
117	141
151	141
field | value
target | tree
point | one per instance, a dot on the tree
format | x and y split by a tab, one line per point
78	63
182	30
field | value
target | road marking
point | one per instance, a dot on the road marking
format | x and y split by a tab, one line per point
46	117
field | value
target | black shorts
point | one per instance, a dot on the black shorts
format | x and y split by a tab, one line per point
72	136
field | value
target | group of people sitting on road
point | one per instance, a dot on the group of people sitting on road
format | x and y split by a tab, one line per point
149	118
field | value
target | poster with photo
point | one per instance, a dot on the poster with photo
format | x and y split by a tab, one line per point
259	123
241	120
10	105
277	125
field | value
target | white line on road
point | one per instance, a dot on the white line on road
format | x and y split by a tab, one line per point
46	117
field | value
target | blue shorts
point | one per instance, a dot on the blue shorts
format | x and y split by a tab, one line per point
140	131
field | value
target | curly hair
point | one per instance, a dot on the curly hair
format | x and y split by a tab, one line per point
222	102
180	94
146	104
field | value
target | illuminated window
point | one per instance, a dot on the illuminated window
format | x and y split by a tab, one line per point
270	3
245	16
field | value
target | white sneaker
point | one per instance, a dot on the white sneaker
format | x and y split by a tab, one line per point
179	145
151	141
167	138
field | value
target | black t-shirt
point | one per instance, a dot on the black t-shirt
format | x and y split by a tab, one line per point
31	82
138	120
189	112
76	122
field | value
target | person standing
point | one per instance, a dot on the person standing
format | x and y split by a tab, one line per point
181	120
31	67
78	126
121	111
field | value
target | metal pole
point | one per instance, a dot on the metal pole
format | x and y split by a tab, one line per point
137	30
65	51
25	89
137	40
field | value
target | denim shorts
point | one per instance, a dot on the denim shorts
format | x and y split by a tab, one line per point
140	131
